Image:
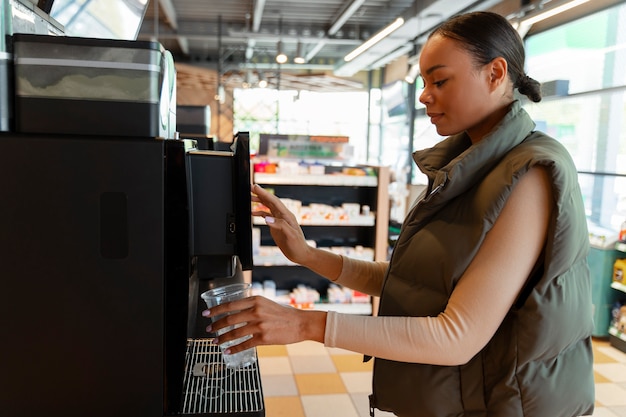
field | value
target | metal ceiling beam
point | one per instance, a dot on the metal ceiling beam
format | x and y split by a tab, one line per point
347	12
169	12
236	36
343	17
257	17
183	43
259	7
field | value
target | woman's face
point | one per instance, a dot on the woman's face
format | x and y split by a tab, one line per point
458	95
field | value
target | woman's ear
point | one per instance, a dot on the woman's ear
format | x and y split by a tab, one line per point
498	68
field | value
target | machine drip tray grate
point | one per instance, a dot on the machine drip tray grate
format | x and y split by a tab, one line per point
211	389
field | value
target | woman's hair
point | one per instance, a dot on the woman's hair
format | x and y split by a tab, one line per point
488	35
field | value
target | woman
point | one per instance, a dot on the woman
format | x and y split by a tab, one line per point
485	304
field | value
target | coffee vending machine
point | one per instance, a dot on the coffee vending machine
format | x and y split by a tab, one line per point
107	239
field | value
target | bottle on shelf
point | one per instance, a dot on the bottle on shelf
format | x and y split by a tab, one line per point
619	267
622	232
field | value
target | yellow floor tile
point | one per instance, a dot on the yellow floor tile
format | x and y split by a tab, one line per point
598	355
273	350
351	363
313	384
599	378
283	407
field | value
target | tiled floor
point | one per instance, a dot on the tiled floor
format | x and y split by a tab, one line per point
308	380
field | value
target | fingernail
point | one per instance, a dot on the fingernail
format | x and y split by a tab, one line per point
270	220
216	341
206	313
209	328
226	352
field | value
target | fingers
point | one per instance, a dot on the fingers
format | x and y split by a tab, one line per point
243	331
260	213
270	218
264	320
271	201
232	314
228	308
229	314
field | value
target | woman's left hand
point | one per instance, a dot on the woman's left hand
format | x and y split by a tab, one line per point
268	322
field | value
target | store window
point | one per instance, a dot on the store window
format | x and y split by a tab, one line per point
292	112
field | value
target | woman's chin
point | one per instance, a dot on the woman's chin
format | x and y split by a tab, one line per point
443	131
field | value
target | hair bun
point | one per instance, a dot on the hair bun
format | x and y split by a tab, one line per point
530	87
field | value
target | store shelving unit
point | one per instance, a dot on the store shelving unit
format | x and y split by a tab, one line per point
617	338
367	231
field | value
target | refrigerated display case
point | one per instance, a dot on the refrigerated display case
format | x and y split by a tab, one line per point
602	255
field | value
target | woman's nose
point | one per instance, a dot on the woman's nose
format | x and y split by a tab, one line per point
425	97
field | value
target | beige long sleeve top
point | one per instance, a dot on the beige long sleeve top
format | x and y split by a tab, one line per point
451	338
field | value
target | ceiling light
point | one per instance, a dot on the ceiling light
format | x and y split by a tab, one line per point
299	58
221	94
385	59
247	83
262	80
386	31
281	57
545	14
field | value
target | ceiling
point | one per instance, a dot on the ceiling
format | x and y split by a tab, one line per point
235	33
241	37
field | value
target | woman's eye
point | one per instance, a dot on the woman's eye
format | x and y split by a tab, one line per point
439	83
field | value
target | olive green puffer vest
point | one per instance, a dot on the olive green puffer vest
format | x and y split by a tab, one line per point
539	362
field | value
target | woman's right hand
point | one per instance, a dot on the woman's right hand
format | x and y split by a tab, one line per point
283	225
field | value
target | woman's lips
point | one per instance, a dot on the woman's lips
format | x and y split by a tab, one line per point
435	117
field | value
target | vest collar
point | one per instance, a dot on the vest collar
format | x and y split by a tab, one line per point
454	164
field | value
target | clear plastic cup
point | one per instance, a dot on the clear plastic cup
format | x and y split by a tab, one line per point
220	295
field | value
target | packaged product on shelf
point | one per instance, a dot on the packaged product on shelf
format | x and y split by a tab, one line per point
265	166
294	206
288	168
316	169
359	252
257	289
618	271
269	289
353	209
304	297
271	256
354	171
337	294
619	317
359	297
256	241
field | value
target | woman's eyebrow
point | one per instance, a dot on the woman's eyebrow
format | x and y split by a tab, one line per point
433	68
